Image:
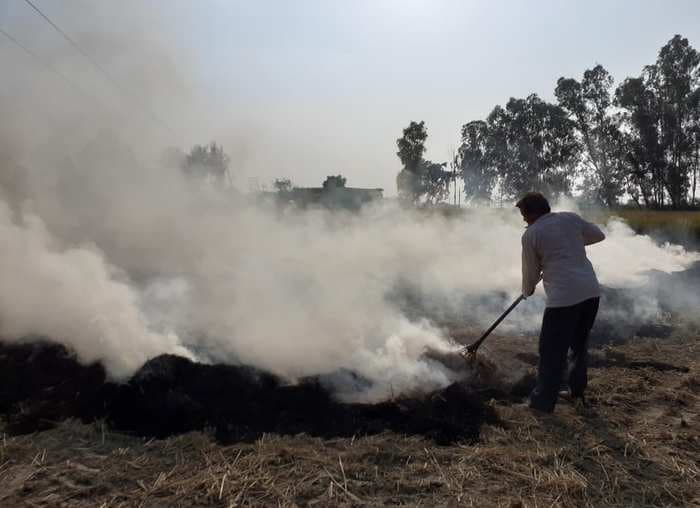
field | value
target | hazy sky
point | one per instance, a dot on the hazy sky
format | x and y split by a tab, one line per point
304	89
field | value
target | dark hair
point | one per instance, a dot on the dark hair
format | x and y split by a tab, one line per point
533	203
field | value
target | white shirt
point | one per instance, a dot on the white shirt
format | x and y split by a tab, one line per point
554	251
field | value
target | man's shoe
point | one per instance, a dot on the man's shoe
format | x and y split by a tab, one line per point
582	407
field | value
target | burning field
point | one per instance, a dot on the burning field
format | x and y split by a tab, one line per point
269	444
42	384
185	433
166	342
170	338
254	355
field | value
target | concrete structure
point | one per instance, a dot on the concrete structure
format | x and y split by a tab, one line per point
346	198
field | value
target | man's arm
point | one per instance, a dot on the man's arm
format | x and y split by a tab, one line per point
532	271
591	233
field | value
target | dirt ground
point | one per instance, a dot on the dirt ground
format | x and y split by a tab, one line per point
638	445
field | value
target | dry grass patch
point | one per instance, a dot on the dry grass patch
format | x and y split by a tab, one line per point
678	225
638	447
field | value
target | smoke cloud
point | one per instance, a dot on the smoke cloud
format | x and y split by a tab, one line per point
122	268
110	250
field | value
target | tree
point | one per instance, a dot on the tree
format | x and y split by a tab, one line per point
411	146
641	141
282	185
694	102
476	162
420	179
676	81
532	144
207	162
435	181
660	113
588	104
334	182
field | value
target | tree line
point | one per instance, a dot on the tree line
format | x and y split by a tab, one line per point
636	142
211	163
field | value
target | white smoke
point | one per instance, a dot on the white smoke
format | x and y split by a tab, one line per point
298	293
69	294
625	258
118	256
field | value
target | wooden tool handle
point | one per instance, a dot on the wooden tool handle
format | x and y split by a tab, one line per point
471	348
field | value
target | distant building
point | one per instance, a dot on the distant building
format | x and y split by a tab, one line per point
345	198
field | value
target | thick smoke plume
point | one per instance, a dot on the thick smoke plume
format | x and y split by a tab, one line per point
157	265
106	248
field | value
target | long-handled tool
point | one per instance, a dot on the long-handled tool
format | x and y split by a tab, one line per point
470	351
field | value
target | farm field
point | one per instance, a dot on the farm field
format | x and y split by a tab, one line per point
675	226
249	250
637	446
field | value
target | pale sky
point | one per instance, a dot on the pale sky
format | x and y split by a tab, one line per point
308	88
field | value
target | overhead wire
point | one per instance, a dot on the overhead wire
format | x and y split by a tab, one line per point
50	68
105	74
47	66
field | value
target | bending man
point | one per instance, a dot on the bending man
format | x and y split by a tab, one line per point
554	251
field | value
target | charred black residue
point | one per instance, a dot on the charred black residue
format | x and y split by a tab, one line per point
41	384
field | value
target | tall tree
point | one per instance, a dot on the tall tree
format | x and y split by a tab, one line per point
676	80
532	143
411	147
641	141
435	181
208	162
282	185
588	104
476	162
660	112
695	137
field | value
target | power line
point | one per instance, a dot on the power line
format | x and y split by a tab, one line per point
97	65
47	66
50	68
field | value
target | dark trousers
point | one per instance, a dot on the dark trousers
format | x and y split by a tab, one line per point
564	330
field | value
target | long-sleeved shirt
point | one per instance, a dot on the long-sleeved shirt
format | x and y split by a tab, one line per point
554	251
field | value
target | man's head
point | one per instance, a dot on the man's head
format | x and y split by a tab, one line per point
533	205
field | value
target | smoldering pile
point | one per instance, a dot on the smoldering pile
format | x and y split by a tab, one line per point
298	294
42	384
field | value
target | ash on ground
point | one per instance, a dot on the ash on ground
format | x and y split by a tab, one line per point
42	384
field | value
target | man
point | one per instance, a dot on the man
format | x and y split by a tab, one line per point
554	252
